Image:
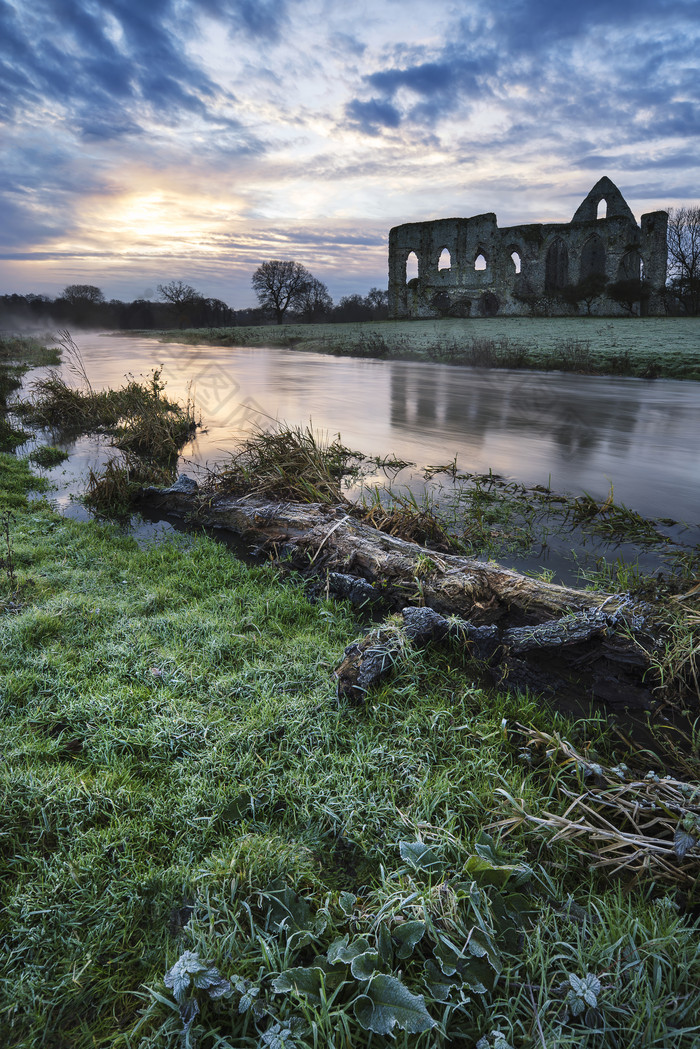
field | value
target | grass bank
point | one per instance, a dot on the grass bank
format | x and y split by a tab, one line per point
651	347
203	846
17	356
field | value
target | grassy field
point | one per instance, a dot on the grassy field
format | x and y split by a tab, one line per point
203	846
652	347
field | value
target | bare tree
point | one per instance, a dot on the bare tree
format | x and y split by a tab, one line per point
314	302
183	299
82	293
177	292
684	256
280	285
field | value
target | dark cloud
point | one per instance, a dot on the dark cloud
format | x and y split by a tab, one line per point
429	78
371	116
617	69
543	22
87	58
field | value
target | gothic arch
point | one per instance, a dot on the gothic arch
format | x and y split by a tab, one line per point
593	258
630	267
556	273
412	268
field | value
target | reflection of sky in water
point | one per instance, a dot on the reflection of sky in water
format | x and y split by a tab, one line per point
578	433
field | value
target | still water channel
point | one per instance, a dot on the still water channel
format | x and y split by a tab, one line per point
573	433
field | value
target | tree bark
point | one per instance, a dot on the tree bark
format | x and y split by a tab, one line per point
530	633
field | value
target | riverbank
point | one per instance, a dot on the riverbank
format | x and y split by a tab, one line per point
199	833
178	775
651	347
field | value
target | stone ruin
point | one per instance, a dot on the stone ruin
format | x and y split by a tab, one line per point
599	265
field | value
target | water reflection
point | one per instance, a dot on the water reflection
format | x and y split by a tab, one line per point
579	433
578	419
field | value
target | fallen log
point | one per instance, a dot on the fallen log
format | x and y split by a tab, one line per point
532	634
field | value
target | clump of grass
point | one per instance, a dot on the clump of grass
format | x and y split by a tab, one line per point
111	491
27	351
480	352
627	823
10	381
574	355
10	436
139	417
401	514
47	455
288	462
614	520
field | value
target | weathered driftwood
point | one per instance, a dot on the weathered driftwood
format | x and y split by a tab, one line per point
531	633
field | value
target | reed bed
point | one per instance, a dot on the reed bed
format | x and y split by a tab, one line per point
139	417
288	462
624	823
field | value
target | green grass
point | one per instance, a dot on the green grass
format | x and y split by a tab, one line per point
47	455
181	790
651	347
17	355
141	420
177	775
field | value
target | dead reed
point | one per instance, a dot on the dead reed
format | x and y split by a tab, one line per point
624	823
288	462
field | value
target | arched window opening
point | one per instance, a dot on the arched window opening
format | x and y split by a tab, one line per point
602	209
630	266
517	261
411	267
444	262
480	262
556	274
593	258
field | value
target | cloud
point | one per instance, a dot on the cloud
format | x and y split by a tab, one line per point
372	115
221	131
87	59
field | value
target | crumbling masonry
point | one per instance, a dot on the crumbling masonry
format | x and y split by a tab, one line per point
605	266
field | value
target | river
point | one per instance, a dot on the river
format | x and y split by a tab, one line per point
569	432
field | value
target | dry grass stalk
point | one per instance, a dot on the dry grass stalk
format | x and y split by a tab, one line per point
288	462
648	826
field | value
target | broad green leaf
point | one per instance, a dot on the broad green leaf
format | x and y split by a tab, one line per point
440	988
337	948
407	936
448	956
346	902
287	910
420	856
364	966
384	944
682	842
486	872
302	981
238	808
480	945
388	1004
342	951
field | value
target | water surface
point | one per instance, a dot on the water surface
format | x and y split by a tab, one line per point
569	432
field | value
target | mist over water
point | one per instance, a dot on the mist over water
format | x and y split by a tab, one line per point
574	433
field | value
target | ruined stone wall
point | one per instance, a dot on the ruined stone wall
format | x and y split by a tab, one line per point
470	267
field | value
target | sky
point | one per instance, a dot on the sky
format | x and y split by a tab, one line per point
151	140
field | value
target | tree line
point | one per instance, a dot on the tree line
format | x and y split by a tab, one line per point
293	295
288	292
